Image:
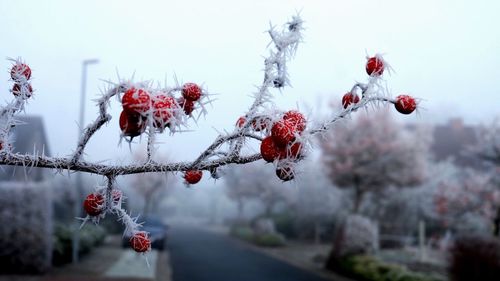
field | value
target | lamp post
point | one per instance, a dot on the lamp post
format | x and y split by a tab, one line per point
79	187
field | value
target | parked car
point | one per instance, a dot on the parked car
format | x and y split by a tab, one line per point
157	230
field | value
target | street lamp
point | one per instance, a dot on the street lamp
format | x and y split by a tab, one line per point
85	63
79	186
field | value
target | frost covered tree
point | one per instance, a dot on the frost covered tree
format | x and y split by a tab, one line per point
371	154
152	187
151	108
317	203
488	149
464	200
236	189
255	183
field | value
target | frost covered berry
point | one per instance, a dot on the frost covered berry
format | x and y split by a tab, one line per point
296	118
93	204
164	108
260	123
349	98
241	121
19	89
405	104
131	124
269	150
186	105
375	66
116	195
20	71
191	91
140	242
283	132
285	173
136	101
193	176
292	151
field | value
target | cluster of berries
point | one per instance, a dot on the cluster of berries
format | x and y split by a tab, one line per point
94	207
375	67
282	143
163	108
166	111
20	73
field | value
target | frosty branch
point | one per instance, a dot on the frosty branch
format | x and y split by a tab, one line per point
147	110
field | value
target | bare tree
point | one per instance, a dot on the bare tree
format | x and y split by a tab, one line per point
317	201
371	154
152	187
237	189
255	182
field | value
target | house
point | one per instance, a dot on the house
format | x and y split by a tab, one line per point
453	141
27	137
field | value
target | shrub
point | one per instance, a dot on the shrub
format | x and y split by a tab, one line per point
260	239
242	232
357	235
90	236
26	227
475	258
368	268
284	223
269	240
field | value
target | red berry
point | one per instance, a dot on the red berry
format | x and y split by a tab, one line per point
131	124
186	105
116	194
260	123
241	121
283	132
164	108
349	98
375	66
285	173
136	101
93	204
193	176
405	104
297	119
140	242
269	150
191	91
292	151
18	89
9	146
20	71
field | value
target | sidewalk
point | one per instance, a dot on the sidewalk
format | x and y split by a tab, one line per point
109	262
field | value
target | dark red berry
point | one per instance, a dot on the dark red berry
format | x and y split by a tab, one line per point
93	204
349	98
191	91
405	104
375	66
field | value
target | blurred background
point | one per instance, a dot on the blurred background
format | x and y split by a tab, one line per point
382	196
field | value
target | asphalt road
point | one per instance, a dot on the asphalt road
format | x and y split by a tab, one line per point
198	255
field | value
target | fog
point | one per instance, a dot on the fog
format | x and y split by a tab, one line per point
380	179
445	53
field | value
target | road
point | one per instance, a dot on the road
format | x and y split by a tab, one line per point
198	255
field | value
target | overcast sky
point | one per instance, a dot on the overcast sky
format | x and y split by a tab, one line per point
445	52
